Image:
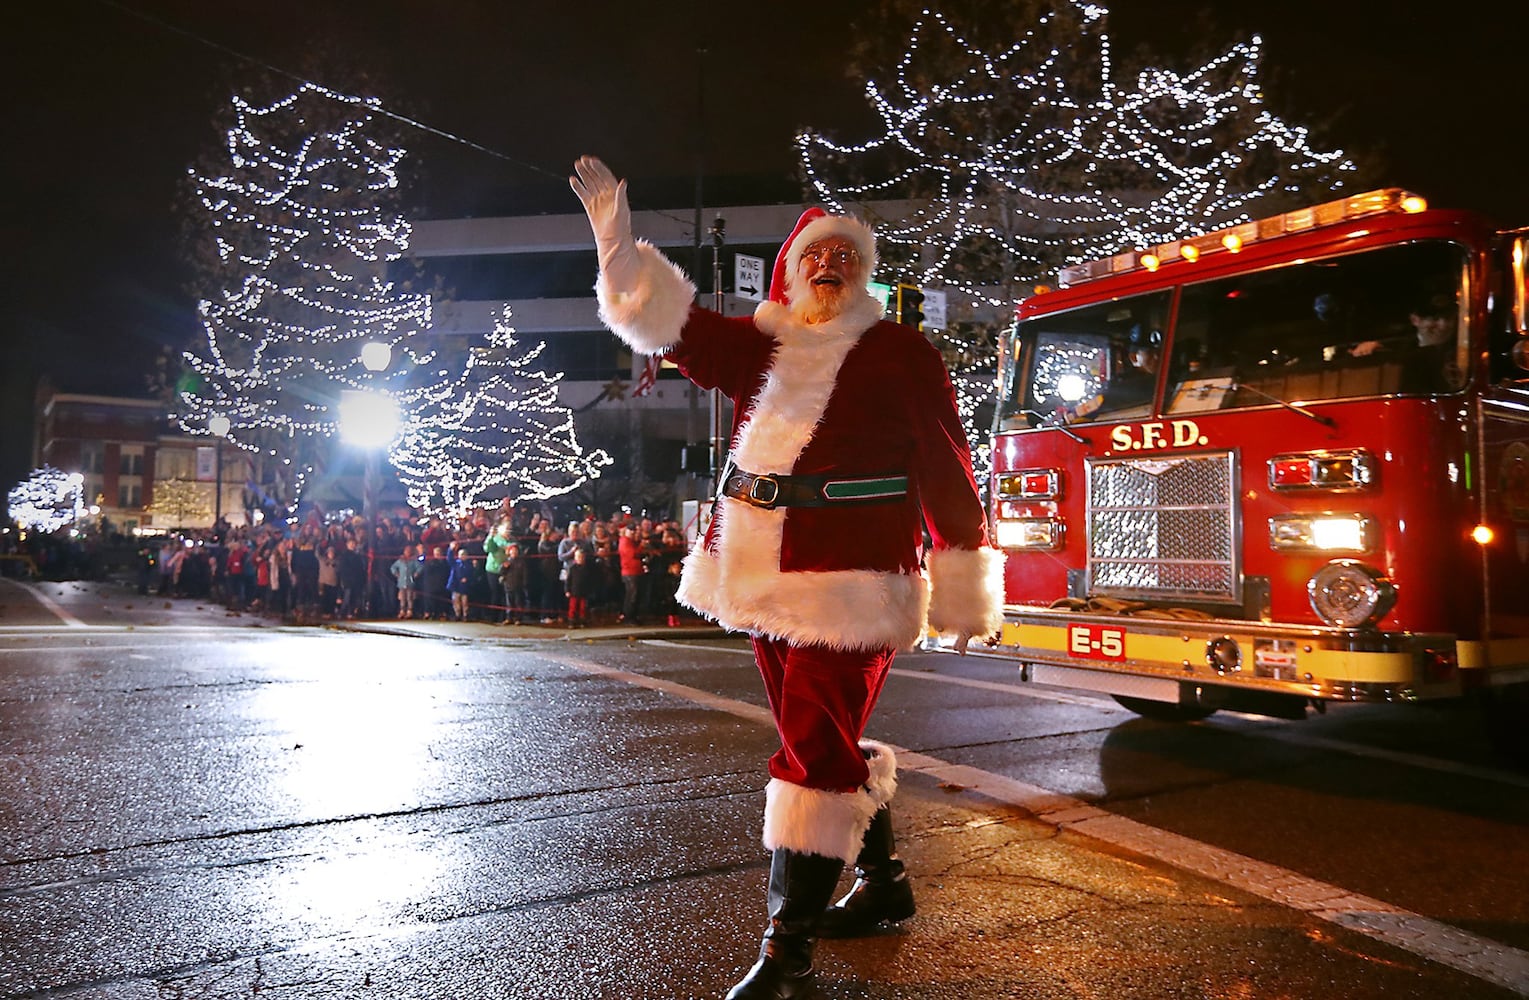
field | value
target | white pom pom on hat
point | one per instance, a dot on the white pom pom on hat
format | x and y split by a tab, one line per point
814	225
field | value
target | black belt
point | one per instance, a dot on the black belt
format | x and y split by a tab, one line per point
769	492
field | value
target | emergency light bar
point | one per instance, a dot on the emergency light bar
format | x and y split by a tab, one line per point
1234	238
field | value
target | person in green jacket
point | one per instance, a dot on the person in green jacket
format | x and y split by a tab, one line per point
493	547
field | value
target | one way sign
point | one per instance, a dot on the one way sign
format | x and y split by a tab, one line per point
748	277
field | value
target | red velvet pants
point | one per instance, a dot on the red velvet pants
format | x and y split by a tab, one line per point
821	699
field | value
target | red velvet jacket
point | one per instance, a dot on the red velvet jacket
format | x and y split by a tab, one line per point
855	397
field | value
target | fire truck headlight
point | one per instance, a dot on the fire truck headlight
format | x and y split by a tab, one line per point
1321	533
1348	594
1033	533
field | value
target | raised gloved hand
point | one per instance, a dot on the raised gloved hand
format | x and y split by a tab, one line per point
610	217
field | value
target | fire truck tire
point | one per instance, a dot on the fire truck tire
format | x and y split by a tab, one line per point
1164	711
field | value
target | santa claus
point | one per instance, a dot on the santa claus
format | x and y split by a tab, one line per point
845	446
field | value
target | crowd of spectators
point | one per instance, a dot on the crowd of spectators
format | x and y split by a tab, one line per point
512	566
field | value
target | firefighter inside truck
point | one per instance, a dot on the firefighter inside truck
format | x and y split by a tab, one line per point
1131	387
1427	356
1100	362
1135	383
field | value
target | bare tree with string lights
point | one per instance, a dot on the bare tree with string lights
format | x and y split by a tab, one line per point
300	223
495	432
1009	150
47	500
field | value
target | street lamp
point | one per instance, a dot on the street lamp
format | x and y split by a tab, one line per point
218	425
376	356
370	421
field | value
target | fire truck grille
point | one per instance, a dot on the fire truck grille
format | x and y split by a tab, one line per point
1163	528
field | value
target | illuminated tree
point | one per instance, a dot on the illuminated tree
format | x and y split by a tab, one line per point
181	500
496	431
47	500
1013	151
301	215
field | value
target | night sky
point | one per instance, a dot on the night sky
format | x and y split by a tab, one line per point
109	103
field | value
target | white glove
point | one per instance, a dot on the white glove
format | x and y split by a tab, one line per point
610	217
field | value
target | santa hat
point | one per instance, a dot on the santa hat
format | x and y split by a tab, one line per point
814	225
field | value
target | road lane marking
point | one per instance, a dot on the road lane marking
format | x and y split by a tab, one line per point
1235	722
47	602
706	699
1039	694
1035	693
105	633
1425	937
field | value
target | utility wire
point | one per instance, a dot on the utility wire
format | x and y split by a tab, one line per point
298	78
377	108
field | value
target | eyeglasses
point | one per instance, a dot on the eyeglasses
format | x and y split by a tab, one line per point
837	254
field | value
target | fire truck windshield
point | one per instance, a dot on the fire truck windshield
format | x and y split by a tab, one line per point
1387	320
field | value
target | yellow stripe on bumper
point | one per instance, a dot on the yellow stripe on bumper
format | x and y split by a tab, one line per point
1167	654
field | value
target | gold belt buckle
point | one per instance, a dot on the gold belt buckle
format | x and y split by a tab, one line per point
763	501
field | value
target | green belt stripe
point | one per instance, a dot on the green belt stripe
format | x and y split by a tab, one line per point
859	489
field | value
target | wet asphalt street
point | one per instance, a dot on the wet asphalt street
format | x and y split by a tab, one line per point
204	805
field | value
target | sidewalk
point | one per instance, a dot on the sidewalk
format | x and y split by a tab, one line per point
690	627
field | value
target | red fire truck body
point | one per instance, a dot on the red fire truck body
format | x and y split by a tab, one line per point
1277	465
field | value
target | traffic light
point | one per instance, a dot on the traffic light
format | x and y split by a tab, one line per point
910	306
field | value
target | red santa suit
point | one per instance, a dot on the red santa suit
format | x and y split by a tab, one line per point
858	406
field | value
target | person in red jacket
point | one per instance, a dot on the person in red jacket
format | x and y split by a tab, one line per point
629	552
845	447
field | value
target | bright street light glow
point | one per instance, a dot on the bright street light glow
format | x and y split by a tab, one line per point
368	419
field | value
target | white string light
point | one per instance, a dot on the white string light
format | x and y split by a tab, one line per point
47	500
496	431
1086	169
1028	157
300	223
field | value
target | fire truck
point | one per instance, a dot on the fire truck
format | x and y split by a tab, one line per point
1273	467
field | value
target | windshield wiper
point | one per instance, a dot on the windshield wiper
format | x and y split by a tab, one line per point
1041	419
1322	419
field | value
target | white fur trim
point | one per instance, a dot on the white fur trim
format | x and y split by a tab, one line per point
812	821
787	409
966	591
882	785
741	584
743	588
650	317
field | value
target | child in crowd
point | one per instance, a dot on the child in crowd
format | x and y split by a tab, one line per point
579	586
513	576
432	584
329	581
406	571
459	582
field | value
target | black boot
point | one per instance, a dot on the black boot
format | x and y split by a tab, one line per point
881	893
800	887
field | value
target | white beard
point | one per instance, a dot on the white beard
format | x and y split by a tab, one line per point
820	304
